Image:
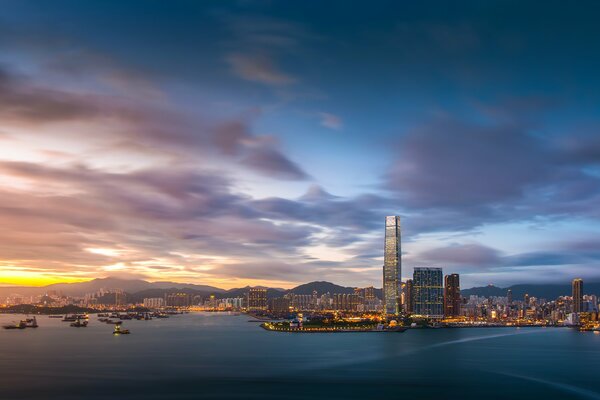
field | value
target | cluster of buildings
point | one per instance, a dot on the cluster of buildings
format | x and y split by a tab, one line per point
431	295
428	295
361	300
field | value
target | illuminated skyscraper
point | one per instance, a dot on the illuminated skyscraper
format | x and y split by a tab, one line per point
257	299
451	295
428	292
577	295
392	265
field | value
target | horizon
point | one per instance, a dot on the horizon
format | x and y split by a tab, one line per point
290	287
259	144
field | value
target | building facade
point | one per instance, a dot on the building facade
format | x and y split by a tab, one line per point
577	295
409	298
392	265
257	299
452	295
428	290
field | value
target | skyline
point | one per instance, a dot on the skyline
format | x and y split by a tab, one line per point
261	144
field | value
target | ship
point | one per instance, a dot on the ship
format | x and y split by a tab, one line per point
79	323
21	325
119	331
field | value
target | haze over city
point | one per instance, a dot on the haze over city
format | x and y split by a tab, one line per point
249	143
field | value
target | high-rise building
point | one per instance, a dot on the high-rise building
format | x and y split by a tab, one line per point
154	302
428	292
409	294
392	265
257	299
279	305
577	295
178	300
452	295
509	297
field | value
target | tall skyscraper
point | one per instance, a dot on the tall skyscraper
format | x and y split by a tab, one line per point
392	265
577	295
409	296
451	295
428	292
509	296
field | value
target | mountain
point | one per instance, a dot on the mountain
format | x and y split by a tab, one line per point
138	289
324	287
127	285
543	291
485	291
241	292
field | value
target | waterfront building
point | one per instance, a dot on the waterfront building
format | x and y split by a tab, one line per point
257	299
154	302
428	292
392	265
452	295
577	295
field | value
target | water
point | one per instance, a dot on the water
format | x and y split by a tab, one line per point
220	356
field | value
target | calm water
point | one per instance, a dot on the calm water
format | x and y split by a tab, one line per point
196	356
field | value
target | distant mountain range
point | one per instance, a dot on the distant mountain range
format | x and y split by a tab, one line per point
547	291
138	289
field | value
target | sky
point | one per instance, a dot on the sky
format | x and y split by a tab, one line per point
236	143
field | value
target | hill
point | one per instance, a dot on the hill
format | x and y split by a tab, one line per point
544	291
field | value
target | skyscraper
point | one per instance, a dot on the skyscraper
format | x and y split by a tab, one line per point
257	299
392	265
509	296
451	295
409	296
428	292
577	295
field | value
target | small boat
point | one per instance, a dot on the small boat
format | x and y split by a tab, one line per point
79	324
119	331
55	316
69	318
20	325
31	323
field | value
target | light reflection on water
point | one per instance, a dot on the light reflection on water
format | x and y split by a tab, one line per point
224	356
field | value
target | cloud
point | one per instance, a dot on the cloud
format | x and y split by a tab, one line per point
272	163
471	254
452	174
258	68
331	121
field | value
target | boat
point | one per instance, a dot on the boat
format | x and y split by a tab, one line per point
55	316
31	323
119	331
21	325
70	318
79	323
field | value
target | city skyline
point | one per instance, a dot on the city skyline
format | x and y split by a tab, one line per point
261	144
